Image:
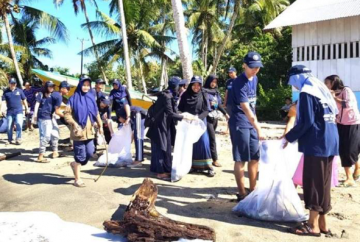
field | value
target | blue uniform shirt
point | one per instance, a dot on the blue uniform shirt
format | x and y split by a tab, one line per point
315	130
14	100
242	91
229	84
47	105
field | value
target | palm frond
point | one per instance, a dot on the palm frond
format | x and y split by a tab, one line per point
57	28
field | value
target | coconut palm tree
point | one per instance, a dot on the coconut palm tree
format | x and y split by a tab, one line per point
81	5
54	25
24	32
205	22
181	34
142	39
268	9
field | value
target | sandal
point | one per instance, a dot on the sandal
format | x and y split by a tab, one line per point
347	184
328	233
79	184
211	173
58	156
43	161
216	164
303	229
356	177
240	197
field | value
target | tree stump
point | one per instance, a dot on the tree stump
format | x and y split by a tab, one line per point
143	223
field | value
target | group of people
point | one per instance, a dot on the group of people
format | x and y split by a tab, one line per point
324	121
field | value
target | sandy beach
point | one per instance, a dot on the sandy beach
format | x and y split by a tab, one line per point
29	186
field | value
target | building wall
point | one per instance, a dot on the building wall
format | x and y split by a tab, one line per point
330	47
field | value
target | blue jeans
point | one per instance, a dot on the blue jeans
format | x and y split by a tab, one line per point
18	119
48	130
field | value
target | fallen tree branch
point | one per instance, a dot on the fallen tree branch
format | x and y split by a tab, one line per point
142	222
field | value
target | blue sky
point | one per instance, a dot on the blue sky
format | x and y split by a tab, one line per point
66	55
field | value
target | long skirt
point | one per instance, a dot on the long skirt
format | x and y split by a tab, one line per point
201	154
349	144
317	183
161	161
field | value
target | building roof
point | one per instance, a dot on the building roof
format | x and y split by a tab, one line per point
309	11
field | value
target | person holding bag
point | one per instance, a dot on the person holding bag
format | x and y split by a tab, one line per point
211	88
348	123
81	114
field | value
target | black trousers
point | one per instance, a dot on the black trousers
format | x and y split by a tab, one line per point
349	144
211	127
317	183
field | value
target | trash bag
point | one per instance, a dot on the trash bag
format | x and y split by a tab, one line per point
100	139
298	176
119	150
3	125
275	198
187	133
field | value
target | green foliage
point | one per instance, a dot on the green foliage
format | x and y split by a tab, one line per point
270	102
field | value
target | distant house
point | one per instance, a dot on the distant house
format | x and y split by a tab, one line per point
325	37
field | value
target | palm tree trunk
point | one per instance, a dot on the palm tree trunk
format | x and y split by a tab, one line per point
95	49
141	73
12	50
182	39
221	49
125	44
163	74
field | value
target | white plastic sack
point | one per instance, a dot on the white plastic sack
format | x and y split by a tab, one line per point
187	133
100	139
119	150
275	198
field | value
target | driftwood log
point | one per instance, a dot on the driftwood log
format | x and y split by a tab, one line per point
8	156
142	223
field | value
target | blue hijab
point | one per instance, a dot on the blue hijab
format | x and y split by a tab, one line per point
120	92
83	105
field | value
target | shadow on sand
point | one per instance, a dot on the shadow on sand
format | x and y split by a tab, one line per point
38	178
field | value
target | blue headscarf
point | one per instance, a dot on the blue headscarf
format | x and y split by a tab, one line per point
83	105
120	92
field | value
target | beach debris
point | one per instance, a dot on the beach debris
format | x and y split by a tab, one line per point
8	156
142	222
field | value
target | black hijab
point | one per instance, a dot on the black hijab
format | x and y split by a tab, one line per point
192	102
208	87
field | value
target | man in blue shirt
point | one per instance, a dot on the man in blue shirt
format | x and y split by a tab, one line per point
14	99
232	75
245	130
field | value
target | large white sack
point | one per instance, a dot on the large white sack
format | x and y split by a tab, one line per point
119	150
187	133
275	198
45	226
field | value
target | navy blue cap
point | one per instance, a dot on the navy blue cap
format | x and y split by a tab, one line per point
116	81
100	81
105	100
232	69
49	84
183	82
196	79
298	69
64	84
253	60
85	78
12	81
121	113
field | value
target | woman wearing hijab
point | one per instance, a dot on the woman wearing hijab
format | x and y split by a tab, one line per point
211	88
318	140
195	101
119	96
81	114
348	123
161	130
45	106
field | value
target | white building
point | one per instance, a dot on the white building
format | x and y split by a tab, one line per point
325	38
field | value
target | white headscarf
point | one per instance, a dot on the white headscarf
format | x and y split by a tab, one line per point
309	84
